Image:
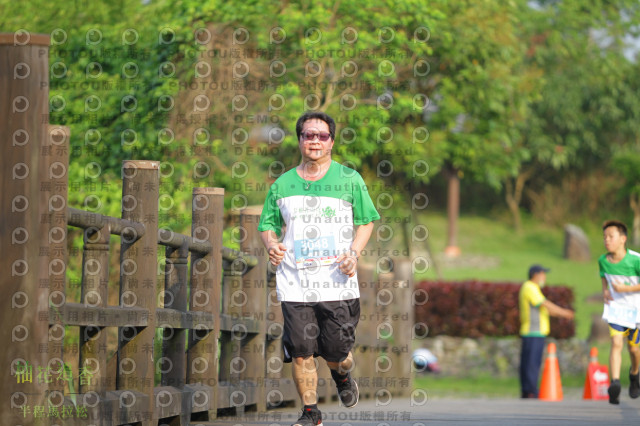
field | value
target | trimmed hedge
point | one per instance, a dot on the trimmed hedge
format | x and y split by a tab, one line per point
477	309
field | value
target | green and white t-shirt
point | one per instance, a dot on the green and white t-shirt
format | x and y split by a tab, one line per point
626	272
319	217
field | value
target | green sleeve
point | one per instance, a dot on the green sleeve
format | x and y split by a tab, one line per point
364	210
600	268
271	217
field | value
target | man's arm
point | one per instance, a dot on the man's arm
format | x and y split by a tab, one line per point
274	247
557	311
363	233
349	261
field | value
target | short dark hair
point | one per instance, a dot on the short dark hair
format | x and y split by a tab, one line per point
310	115
536	269
622	228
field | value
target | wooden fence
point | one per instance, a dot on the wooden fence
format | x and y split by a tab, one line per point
221	325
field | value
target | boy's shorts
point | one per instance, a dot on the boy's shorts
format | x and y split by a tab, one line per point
633	335
326	329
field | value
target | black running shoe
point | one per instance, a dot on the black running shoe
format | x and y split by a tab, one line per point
347	390
309	417
614	392
634	385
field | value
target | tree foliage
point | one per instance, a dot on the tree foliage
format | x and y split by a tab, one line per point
499	91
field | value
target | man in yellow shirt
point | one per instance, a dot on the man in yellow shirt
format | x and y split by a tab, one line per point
534	327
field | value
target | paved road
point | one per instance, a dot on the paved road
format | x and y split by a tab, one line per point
461	412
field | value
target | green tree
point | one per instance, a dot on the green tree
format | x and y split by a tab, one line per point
626	163
579	106
482	93
368	68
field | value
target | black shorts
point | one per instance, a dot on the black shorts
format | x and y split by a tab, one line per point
326	329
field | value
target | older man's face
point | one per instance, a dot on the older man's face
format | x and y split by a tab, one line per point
312	145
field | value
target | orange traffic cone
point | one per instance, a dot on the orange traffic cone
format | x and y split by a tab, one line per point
551	386
596	383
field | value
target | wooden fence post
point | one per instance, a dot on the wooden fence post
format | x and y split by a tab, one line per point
383	365
206	289
175	297
364	351
55	178
24	108
230	337
95	283
279	385
138	275
403	323
254	289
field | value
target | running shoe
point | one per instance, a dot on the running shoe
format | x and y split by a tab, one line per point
634	385
347	390
309	417
614	392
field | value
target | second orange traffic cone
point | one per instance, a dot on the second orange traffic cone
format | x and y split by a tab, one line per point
551	385
596	383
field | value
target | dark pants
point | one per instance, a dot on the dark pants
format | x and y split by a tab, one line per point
530	360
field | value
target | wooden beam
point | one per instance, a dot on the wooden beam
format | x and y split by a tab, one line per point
79	314
131	230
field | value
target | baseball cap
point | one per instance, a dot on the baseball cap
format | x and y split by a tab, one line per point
534	269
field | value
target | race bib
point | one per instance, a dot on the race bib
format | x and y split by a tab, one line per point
620	314
315	251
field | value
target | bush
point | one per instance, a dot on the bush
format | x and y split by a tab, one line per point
477	309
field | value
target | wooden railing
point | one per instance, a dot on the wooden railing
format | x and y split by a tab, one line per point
220	322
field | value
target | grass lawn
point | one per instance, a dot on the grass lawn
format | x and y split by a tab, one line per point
483	386
487	386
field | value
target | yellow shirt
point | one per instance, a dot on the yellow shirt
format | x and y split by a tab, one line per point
534	318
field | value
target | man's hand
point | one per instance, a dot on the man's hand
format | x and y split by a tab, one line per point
606	295
276	253
347	264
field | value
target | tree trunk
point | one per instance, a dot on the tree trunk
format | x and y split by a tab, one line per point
634	202
514	206
427	245
513	196
453	212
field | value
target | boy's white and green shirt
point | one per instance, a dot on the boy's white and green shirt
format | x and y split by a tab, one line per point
319	217
626	272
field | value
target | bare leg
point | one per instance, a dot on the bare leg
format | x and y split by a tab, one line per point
344	366
634	354
305	377
615	356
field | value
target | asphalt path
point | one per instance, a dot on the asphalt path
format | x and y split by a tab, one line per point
449	411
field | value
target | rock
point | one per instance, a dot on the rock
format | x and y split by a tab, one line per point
573	355
594	298
599	329
469	347
576	244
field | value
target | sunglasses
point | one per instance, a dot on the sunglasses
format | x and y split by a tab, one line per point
322	136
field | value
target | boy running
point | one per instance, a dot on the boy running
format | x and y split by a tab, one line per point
620	273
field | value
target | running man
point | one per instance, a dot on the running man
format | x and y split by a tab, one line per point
319	202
